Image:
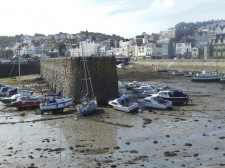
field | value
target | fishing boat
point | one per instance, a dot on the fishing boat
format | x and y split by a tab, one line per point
206	76
124	104
155	102
88	102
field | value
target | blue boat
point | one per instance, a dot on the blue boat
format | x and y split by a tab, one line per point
87	106
55	105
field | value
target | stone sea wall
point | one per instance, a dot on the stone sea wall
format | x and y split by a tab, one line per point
12	70
186	64
68	74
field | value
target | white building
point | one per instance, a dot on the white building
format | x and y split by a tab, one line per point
183	48
89	48
124	50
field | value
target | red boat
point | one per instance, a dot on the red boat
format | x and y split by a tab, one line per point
27	101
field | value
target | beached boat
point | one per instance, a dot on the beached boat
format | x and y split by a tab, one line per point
189	74
178	73
144	88
206	76
8	90
160	69
8	100
27	101
121	88
123	103
155	102
55	105
176	96
222	79
88	103
131	85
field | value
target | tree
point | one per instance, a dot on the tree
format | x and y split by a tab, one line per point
62	48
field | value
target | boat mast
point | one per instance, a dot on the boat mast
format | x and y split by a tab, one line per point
19	60
89	77
84	65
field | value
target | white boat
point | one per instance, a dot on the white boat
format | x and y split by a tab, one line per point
27	101
144	88
121	88
155	102
55	105
132	84
8	100
160	69
206	76
123	103
222	79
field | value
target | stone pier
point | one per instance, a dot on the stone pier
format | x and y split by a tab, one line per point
68	74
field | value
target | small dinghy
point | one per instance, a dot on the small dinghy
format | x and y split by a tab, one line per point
123	103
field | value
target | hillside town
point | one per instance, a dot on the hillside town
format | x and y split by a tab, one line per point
207	41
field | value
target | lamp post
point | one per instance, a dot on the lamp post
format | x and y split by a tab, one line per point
19	60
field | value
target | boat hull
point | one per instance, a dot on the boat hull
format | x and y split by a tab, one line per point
175	100
194	79
7	101
86	108
161	106
57	106
131	108
20	104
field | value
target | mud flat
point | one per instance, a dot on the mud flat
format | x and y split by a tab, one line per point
186	64
187	136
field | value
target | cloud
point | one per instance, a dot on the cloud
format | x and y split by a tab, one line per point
162	4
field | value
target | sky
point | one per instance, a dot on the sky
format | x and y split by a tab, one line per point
126	18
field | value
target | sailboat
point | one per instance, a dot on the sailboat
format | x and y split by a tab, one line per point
24	99
88	102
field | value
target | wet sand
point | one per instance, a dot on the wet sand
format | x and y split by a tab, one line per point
187	136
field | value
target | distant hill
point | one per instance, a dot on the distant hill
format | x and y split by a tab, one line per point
9	41
103	37
189	29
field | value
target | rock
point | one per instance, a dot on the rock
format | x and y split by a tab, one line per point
155	142
170	154
128	143
133	151
117	147
188	144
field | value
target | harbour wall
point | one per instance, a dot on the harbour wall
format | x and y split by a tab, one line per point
186	64
67	74
12	69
